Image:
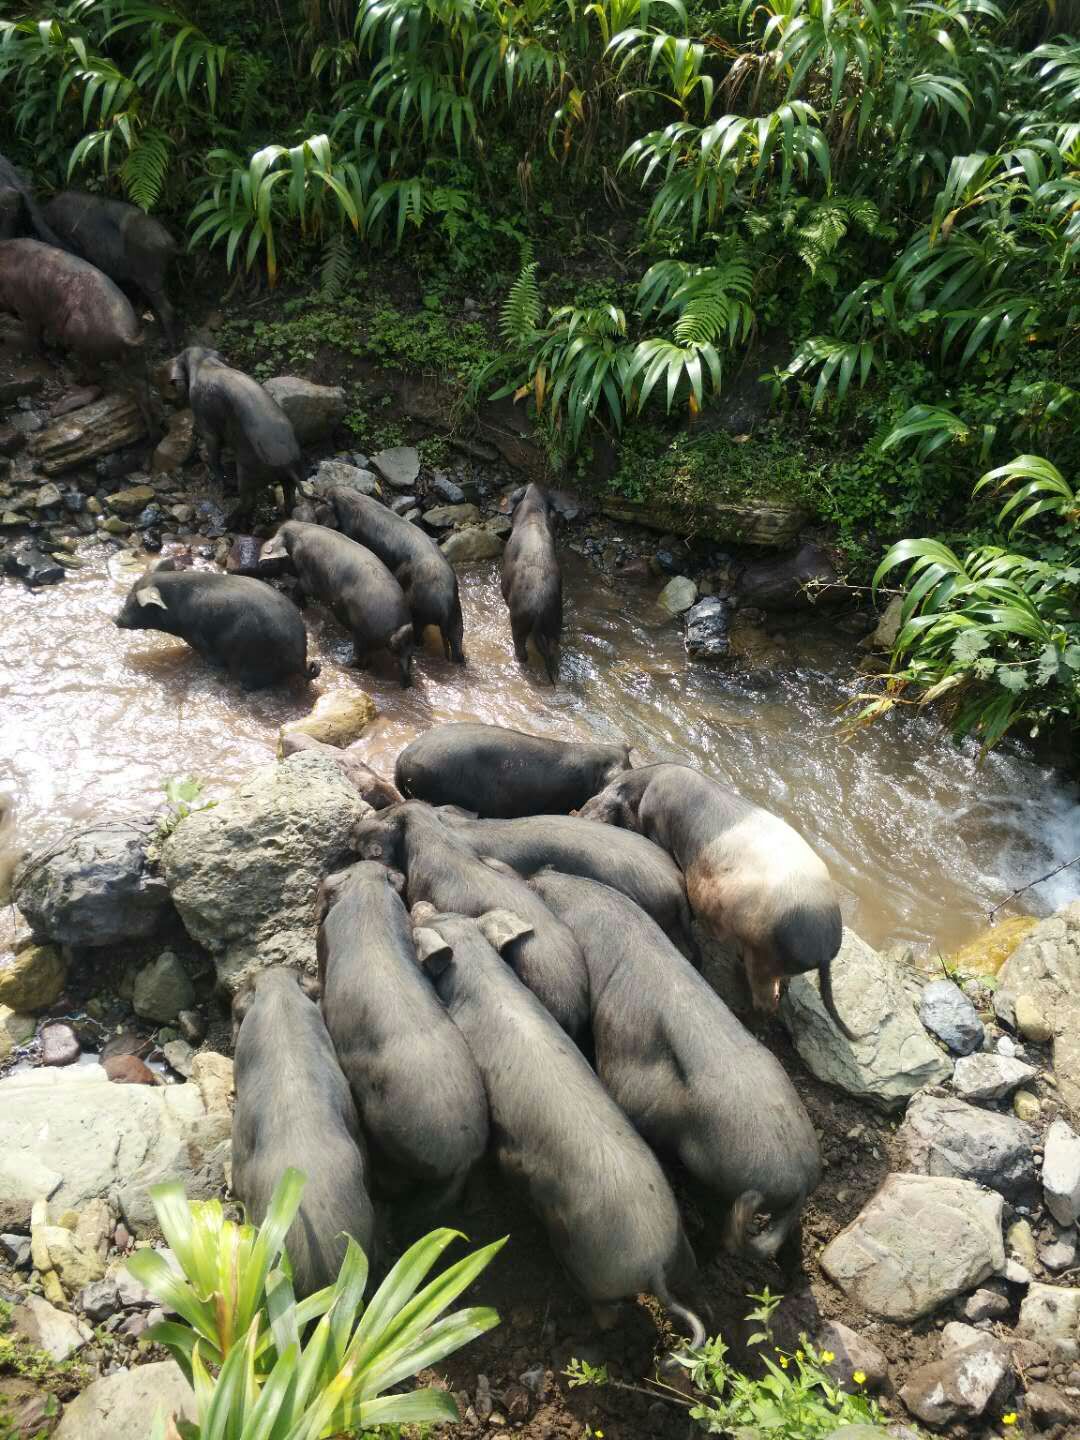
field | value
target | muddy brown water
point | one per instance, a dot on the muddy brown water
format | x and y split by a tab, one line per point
922	841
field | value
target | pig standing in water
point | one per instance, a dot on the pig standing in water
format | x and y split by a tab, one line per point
750	877
378	793
596	1186
130	246
231	409
501	773
442	870
417	563
620	858
356	586
293	1108
417	1088
675	1059
532	582
244	625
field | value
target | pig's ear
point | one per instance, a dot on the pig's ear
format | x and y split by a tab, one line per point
397	881
499	866
432	951
150	595
502	927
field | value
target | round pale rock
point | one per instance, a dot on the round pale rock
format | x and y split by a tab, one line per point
1026	1106
398	466
948	1013
920	1241
1061	1173
678	595
1048	1313
1031	1022
851	1352
475	542
32	978
124	1406
338	718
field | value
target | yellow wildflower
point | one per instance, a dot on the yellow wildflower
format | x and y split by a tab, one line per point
798	1355
1009	1419
859	1377
827	1357
783	1362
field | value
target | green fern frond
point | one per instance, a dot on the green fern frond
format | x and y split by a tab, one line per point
520	315
336	267
143	172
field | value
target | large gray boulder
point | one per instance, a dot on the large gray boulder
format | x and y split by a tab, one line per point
123	1406
946	1136
244	874
313	409
893	1056
920	1241
93	888
1045	967
69	1136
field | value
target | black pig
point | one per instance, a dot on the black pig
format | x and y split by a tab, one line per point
421	569
417	1088
15	197
628	862
501	773
596	1186
231	409
689	1076
440	868
243	625
532	582
130	246
356	586
749	876
294	1108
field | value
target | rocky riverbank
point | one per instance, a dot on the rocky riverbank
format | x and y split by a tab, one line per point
938	1256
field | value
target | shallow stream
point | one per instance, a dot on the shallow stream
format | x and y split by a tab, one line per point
922	841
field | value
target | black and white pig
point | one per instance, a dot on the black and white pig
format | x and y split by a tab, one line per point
502	774
417	1088
420	567
441	869
596	1186
294	1108
532	582
231	409
679	1064
620	858
355	585
243	625
749	876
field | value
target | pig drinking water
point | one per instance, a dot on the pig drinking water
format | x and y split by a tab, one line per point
749	876
440	868
675	1059
243	625
420	567
124	242
501	773
231	409
294	1108
620	858
596	1186
355	585
532	582
417	1088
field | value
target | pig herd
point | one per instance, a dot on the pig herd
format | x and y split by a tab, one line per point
509	967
